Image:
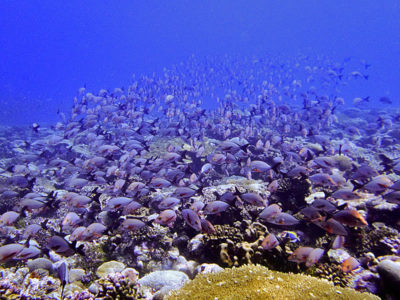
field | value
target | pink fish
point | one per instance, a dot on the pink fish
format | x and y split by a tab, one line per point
270	212
284	219
253	199
215	207
192	219
314	256
166	217
270	242
10	251
8	218
132	224
350	264
207	227
301	254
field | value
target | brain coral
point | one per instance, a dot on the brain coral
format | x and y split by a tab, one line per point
257	282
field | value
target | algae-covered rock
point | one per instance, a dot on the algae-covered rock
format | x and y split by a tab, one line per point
257	282
159	279
76	275
109	268
343	162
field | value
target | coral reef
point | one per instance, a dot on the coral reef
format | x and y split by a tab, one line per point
257	282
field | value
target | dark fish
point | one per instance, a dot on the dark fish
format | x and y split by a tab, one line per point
385	100
350	217
62	247
332	227
324	205
63	275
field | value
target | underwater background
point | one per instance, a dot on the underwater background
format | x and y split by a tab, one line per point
199	149
49	49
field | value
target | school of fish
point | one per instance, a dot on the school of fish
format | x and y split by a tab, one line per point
150	156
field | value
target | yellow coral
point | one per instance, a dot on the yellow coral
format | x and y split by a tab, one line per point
257	282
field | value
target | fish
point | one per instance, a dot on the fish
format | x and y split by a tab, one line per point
131	208
259	166
270	212
32	229
324	205
28	252
322	179
160	183
312	214
185	192
270	242
345	194
62	247
169	203
385	100
132	224
207	227
350	264
197	206
156	153
77	234
291	236
166	217
332	227
70	220
378	184
254	199
301	254
118	203
9	251
215	207
338	242
314	257
283	219
63	275
93	232
192	219
350	217
9	218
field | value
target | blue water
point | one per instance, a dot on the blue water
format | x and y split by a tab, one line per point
51	48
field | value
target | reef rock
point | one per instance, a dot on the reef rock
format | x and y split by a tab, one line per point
109	268
390	276
208	268
163	281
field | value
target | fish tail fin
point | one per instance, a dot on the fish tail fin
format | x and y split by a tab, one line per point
237	192
200	190
44	224
356	185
